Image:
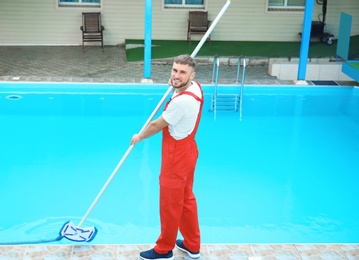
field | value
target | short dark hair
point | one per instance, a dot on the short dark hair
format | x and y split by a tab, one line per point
186	60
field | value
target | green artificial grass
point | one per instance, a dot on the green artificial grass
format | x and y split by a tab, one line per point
169	49
355	65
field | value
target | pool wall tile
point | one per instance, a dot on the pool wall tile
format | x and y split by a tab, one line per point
238	252
321	251
208	251
12	252
107	252
276	251
351	251
131	252
48	252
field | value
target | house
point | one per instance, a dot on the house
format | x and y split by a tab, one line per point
57	22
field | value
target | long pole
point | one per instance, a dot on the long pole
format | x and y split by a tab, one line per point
124	157
210	29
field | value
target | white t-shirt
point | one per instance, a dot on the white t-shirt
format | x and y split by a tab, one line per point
181	113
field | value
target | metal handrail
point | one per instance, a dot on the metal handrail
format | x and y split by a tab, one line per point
239	63
215	70
242	84
215	76
215	73
243	73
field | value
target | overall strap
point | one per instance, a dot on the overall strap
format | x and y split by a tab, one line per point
188	93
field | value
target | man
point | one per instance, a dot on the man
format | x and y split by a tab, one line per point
178	123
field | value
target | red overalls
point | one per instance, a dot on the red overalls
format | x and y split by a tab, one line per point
178	207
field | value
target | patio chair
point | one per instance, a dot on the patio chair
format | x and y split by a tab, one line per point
92	30
198	23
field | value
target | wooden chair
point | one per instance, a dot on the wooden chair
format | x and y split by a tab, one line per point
92	30
198	23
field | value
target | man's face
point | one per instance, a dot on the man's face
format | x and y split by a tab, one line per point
181	75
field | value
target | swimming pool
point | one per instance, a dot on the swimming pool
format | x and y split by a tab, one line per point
284	172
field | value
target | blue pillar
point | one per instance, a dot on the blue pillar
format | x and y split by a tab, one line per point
304	46
148	39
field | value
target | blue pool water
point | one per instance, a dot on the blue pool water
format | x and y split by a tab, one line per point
286	171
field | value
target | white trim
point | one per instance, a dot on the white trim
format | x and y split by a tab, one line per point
203	7
283	9
83	7
296	12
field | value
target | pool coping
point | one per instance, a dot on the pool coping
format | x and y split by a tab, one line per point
89	87
208	251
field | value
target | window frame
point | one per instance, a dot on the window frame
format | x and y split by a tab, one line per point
79	4
284	9
184	6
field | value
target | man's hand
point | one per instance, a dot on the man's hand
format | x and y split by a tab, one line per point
135	139
153	128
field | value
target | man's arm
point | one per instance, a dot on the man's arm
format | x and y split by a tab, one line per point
153	128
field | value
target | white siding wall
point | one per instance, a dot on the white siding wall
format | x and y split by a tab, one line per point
333	15
39	22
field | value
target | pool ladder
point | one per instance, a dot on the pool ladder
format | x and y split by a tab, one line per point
227	102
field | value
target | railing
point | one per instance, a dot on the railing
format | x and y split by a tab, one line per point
215	74
215	70
242	83
227	102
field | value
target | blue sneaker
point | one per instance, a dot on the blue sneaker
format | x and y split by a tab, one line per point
180	246
152	254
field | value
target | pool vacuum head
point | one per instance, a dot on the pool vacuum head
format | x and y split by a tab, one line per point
77	234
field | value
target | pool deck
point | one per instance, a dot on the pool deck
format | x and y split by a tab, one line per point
93	65
72	64
208	251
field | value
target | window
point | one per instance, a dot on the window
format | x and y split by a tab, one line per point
286	5
184	4
79	3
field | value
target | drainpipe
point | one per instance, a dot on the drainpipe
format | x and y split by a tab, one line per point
304	47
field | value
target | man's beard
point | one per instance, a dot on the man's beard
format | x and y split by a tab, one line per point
181	85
